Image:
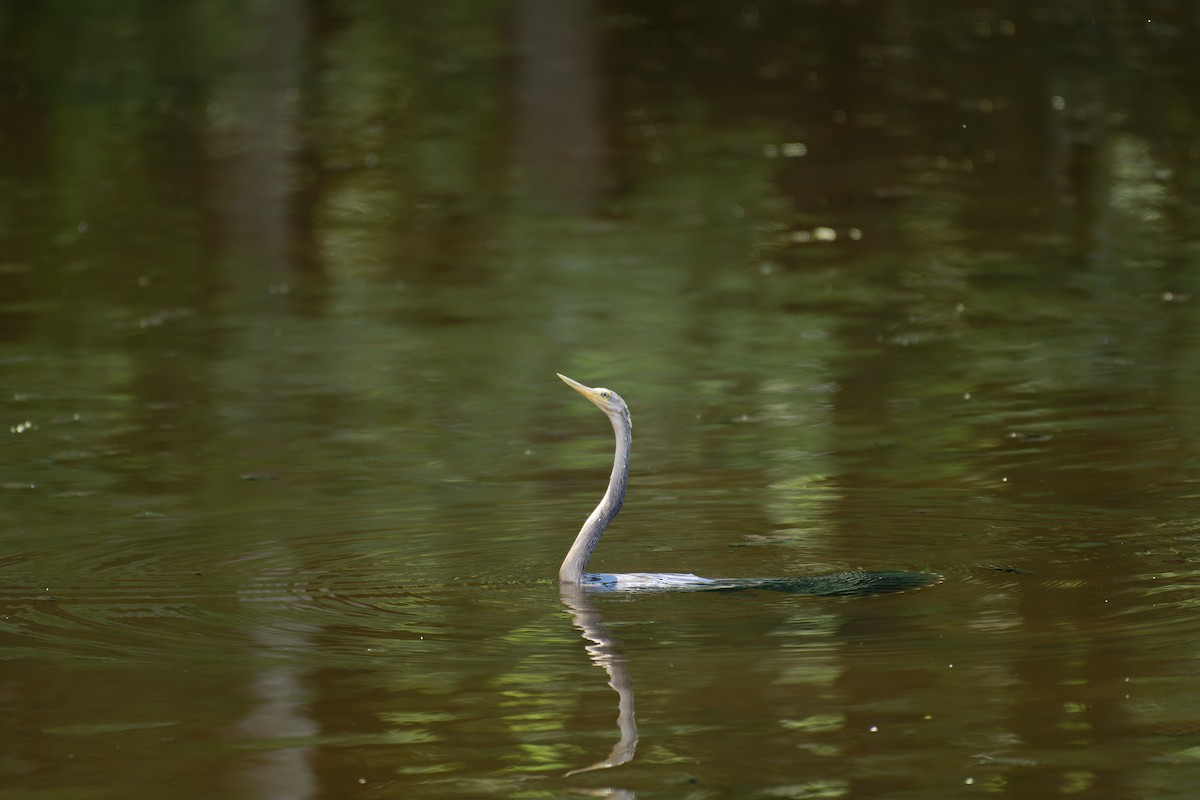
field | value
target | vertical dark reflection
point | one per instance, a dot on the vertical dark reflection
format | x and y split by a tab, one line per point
259	173
559	139
312	176
26	153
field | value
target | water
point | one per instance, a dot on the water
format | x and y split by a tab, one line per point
287	473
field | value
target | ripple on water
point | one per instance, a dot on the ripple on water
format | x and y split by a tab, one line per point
157	593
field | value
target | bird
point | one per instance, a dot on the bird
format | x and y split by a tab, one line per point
574	566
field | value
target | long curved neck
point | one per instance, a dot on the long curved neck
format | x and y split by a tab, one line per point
575	563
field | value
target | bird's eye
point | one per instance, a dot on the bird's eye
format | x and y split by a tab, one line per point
605	395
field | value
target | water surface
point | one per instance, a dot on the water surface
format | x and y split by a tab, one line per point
287	473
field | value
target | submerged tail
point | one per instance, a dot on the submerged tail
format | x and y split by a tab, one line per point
837	584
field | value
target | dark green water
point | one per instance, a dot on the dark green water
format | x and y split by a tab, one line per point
287	474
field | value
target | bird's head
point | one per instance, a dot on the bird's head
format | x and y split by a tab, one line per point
606	400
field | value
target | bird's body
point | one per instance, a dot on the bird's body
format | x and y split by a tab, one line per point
573	569
645	581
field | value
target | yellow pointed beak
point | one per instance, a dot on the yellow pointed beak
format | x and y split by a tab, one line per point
586	391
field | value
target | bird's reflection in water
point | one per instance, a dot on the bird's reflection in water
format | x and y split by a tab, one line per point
603	651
